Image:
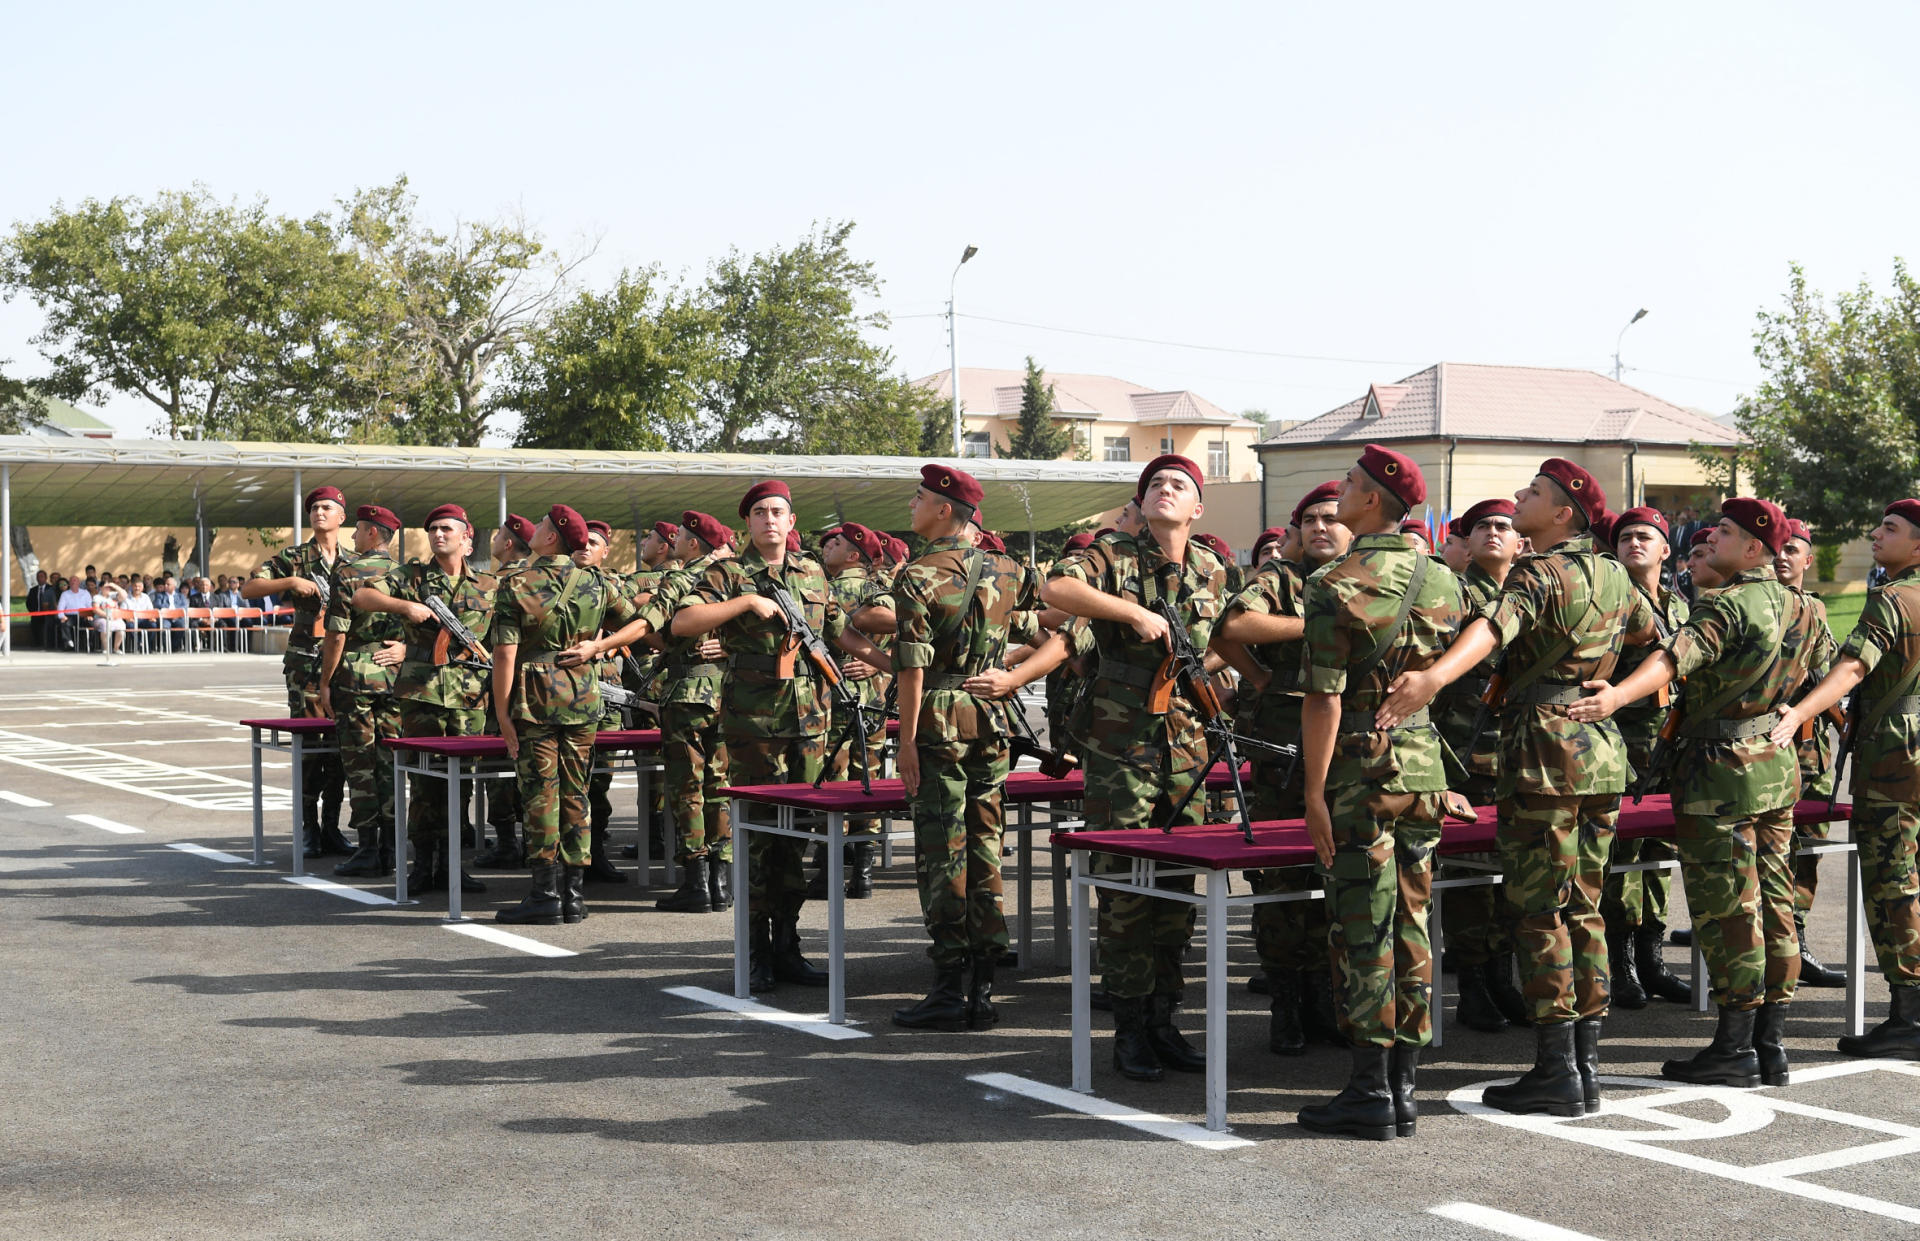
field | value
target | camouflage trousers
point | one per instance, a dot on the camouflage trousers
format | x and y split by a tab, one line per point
1887	832
1638	897
427	797
1553	856
1740	893
552	771
695	756
1290	935
1806	870
1478	920
776	880
361	720
322	776
1142	938
957	828
841	765
1378	889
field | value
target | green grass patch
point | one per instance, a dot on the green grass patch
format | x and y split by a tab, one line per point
1843	613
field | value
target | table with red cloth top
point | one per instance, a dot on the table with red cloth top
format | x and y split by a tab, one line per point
1214	851
460	760
299	737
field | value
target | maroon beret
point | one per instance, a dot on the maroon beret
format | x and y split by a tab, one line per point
571	526
378	516
896	550
520	527
448	510
1168	461
1909	509
979	519
602	529
760	491
1219	546
325	493
1641	516
1581	487
793	541
1603	526
1699	536
667	531
708	530
1078	543
1414	525
1486	508
1105	530
1319	495
991	542
1396	472
1760	518
956	485
869	544
1457	529
1272	534
1797	529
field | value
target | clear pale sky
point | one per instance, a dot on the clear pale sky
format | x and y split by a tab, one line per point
1390	184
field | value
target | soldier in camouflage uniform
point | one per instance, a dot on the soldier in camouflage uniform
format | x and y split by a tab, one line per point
358	662
1141	760
774	706
1065	683
1268	619
1881	659
292	575
510	551
853	556
641	670
1561	616
694	750
442	685
547	692
1375	796
1634	903
1815	751
593	558
1742	653
1480	919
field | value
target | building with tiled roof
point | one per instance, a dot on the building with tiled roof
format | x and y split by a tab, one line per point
1480	431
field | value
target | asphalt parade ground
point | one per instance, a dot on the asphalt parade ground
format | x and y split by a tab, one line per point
196	1047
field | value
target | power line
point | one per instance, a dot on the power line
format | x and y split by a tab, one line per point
1170	344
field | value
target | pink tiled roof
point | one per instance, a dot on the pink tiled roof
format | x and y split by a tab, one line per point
1552	405
984	390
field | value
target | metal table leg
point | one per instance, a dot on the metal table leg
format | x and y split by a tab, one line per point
1701	1002
259	808
1082	985
1023	890
400	833
836	918
299	804
1856	936
1217	1000
1436	945
455	767
742	837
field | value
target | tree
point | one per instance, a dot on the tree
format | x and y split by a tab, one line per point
19	404
1036	436
1837	421
622	370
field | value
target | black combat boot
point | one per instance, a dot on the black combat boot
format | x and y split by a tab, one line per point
310	846
1682	937
981	1014
860	877
1132	1053
1769	1047
1896	1038
1170	1047
426	864
1285	1035
366	859
600	867
573	897
817	886
1651	963
1317	1017
1729	1060
1813	973
1586	1058
1622	947
1505	992
719	883
1552	1085
1477	1010
945	1007
691	897
504	853
1260	984
541	905
1401	1068
331	839
1364	1107
760	954
467	882
788	964
386	850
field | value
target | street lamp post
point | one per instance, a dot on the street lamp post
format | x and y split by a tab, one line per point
1637	316
953	346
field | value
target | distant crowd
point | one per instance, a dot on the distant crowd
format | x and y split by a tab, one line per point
116	612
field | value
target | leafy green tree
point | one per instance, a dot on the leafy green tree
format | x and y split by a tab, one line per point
20	404
1037	436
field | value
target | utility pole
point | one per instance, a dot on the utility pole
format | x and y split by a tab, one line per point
953	346
1637	316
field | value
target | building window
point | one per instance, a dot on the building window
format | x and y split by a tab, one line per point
1166	445
1217	464
977	444
1118	448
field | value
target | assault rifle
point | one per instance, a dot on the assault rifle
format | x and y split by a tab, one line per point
621	699
1665	747
845	697
1025	742
472	654
1849	733
323	590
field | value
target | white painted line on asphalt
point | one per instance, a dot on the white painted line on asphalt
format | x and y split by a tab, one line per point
21	799
1847	1068
1504	1223
815	1024
1090	1105
337	889
212	855
107	825
507	939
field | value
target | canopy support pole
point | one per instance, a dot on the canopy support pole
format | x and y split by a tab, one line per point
6	561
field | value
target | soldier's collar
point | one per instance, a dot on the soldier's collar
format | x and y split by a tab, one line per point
1904	574
1380	538
948	541
1759	573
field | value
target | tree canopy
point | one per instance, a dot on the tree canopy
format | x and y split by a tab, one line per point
1037	436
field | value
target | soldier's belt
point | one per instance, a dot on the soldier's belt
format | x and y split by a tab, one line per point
772	665
1357	723
700	670
1728	730
955	681
1466	689
1544	694
1125	674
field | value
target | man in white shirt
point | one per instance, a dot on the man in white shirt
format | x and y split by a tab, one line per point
75	607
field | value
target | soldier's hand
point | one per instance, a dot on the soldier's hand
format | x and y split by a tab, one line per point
326	702
709	650
1787	731
302	586
1409	692
1151	626
763	607
582	652
857	669
509	735
993	683
1604	701
390	654
417	613
1320	829
907	762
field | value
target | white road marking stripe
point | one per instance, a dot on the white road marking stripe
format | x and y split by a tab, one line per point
507	939
212	855
1090	1105
1829	1160
1505	1223
337	889
21	799
814	1024
107	825
203	790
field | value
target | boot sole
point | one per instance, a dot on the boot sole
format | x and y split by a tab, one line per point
1364	1133
528	921
1737	1083
933	1027
1571	1110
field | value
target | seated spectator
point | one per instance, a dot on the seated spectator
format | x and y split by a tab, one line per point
198	592
138	600
41	597
228	596
108	621
175	628
76	608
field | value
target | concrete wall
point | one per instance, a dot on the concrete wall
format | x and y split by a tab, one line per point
1231	510
1189	441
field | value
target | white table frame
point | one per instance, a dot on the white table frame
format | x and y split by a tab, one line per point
293	743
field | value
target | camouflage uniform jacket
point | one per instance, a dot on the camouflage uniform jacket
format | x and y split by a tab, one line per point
677	682
301	560
1118	724
1348	604
1277	589
1640	722
544	607
366	631
470	597
943	631
1815	754
1458	706
756	700
643	671
1887	641
851	588
1576	607
1752	626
